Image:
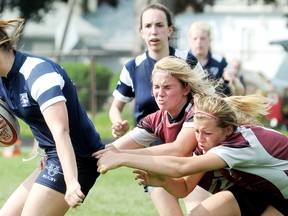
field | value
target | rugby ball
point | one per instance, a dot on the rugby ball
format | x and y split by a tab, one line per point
11	132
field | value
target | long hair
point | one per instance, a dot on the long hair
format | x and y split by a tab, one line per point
234	110
181	70
9	42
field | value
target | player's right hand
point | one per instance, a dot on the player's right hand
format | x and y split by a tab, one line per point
2	123
108	147
120	128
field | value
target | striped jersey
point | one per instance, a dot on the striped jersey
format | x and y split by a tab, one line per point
33	84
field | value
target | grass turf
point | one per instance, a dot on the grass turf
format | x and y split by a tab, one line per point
115	193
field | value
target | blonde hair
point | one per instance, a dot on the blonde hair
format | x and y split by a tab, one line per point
200	25
234	110
181	70
8	42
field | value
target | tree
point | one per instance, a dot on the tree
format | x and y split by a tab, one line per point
28	9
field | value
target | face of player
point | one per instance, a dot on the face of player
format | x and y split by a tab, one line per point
199	42
208	134
169	93
155	30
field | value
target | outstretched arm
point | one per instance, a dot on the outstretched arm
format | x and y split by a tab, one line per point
178	187
170	166
182	146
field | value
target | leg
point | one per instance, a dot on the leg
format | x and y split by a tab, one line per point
166	204
271	211
195	197
220	204
15	203
44	201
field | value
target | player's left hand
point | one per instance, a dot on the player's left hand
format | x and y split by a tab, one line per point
148	178
108	147
109	160
41	163
74	196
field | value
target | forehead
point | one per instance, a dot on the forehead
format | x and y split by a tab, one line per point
197	32
154	16
163	78
204	123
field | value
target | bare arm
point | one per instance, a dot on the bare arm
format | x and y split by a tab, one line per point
178	187
182	146
126	142
56	117
169	166
119	126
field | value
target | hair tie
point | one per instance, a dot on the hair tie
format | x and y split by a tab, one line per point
162	71
208	114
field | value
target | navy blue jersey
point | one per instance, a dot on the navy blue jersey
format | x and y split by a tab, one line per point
215	65
135	82
33	84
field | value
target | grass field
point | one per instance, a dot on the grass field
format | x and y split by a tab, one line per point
115	193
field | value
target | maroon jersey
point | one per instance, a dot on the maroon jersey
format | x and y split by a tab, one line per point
159	125
257	160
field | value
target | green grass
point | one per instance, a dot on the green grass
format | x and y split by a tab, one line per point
115	193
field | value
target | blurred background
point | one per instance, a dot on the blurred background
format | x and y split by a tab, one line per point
93	39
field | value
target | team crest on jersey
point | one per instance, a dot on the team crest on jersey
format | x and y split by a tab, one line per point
214	71
24	100
53	171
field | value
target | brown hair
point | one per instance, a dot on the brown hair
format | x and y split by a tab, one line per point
158	6
8	42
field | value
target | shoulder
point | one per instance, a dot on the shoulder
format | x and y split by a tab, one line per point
132	64
218	58
180	53
186	55
140	59
35	67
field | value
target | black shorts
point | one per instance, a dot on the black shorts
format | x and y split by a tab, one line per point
253	203
52	175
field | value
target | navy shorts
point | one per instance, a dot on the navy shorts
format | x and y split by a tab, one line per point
255	203
52	175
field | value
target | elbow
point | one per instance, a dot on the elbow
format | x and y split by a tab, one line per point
183	152
178	172
181	170
178	150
